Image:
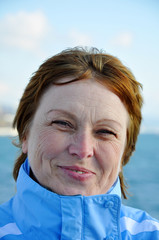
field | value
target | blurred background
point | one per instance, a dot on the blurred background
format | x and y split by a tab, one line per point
33	30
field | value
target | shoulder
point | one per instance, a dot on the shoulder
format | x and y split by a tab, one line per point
6	213
138	223
8	227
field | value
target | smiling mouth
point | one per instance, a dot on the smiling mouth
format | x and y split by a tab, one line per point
77	173
80	172
77	169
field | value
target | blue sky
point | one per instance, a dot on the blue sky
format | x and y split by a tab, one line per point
33	30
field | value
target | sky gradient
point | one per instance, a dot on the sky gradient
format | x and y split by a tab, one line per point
32	31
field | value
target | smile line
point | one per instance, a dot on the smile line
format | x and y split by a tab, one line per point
77	169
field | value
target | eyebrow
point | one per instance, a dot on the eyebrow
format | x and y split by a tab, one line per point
109	120
68	114
73	116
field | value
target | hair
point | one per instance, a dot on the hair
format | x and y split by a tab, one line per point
82	64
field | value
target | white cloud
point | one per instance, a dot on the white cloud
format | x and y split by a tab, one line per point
124	39
8	95
23	30
32	31
3	88
79	39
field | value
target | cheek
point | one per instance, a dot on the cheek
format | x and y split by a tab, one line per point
109	155
49	144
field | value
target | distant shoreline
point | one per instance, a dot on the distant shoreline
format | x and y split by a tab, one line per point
7	131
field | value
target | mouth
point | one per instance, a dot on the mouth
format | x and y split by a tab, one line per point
77	173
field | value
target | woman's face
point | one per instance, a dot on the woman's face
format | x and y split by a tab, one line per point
77	138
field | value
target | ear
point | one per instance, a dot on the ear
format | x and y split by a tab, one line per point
25	145
121	164
120	169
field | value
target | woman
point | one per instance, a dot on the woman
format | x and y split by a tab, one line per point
78	122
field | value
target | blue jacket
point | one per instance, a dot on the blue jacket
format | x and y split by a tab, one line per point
36	213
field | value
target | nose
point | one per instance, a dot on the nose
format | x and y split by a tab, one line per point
82	146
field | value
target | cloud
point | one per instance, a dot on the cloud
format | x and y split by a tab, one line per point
8	95
124	39
3	88
79	39
32	31
23	30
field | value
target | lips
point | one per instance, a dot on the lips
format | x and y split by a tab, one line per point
77	173
76	168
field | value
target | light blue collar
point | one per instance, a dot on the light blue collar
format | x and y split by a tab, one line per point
47	215
115	189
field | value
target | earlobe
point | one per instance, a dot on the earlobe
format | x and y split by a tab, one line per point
120	169
121	166
25	145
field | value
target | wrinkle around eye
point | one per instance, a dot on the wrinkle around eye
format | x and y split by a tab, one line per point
106	133
62	124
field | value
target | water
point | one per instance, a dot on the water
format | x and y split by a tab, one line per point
142	173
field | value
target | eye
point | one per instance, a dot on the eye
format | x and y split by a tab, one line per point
62	123
105	132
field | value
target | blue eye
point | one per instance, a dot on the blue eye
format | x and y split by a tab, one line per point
62	123
106	132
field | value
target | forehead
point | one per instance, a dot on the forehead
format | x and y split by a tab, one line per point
87	91
83	95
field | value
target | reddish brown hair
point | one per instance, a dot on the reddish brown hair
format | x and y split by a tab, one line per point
81	63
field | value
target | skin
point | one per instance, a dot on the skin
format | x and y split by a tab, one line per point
80	125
